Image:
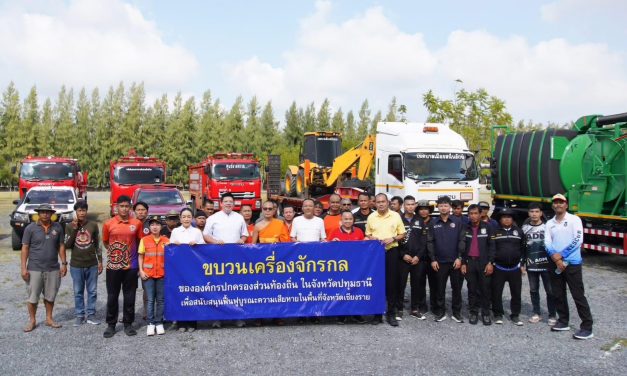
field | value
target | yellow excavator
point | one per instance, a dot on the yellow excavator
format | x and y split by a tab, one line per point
323	165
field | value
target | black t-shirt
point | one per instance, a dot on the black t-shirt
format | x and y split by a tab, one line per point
361	219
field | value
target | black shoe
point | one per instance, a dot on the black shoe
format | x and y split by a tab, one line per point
341	320
392	321
473	319
457	317
440	318
359	319
109	332
377	319
486	320
583	334
129	331
559	327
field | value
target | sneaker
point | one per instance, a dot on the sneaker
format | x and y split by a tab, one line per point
240	323
552	321
486	320
534	319
78	322
92	320
160	329
440	318
216	324
109	332
473	319
583	334
457	318
359	319
150	330
419	315
392	321
516	320
559	327
498	320
398	317
129	330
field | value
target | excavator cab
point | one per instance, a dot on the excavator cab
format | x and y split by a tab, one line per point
322	148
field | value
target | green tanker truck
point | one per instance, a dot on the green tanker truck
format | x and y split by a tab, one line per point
587	163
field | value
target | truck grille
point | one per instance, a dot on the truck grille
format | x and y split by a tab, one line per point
243	195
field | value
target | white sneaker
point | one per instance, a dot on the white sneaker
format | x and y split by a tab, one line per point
534	319
160	329
150	330
552	321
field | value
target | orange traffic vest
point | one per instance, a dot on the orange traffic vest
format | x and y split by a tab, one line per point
154	256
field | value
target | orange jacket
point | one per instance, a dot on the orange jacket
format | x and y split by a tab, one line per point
154	256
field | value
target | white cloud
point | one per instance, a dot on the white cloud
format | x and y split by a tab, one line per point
587	11
89	43
367	56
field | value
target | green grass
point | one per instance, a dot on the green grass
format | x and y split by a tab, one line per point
616	341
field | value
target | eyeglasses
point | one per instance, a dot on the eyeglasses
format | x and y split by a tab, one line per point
346	204
268	209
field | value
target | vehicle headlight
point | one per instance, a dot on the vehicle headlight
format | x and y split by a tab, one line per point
21	217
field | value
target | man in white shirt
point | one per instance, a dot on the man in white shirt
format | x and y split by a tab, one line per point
307	227
226	226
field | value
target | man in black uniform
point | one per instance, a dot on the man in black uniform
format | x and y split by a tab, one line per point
424	271
477	248
362	213
509	265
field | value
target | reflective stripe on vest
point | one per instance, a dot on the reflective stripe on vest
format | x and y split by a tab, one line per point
154	256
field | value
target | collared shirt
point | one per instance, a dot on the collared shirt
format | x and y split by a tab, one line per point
308	229
122	237
565	237
474	243
43	246
383	226
226	227
445	240
342	235
182	235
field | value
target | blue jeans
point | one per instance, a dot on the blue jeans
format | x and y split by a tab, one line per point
534	289
155	296
84	278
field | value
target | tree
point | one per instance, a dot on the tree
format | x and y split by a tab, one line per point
471	114
83	130
30	121
375	120
64	144
44	133
350	137
252	133
323	120
364	120
269	132
13	144
337	124
293	131
392	111
309	119
232	139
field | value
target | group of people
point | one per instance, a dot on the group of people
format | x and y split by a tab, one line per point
434	249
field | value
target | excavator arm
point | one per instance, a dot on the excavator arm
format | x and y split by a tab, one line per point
363	154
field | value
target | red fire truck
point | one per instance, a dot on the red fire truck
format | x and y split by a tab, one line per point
53	172
127	173
237	173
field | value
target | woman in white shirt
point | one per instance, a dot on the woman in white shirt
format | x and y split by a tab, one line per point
186	234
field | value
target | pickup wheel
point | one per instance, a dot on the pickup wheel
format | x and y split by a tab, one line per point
290	184
16	242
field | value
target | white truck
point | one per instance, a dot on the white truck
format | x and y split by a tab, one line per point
426	161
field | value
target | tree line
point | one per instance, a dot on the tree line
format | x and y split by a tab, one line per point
98	128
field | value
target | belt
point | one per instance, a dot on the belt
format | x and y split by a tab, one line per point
505	269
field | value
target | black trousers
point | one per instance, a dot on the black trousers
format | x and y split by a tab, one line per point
405	270
425	273
572	277
514	279
445	273
125	280
392	279
478	287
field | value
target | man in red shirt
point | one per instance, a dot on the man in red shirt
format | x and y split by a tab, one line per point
120	236
346	232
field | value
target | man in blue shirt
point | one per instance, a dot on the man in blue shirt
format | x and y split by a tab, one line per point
563	239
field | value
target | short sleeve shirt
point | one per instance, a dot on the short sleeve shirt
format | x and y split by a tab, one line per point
43	246
226	227
182	235
123	237
385	226
308	230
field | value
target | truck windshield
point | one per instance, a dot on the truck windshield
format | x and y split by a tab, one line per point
46	171
138	175
49	197
160	197
236	171
440	166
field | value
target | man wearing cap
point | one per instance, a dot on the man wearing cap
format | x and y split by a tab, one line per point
509	265
42	247
446	259
171	222
477	248
425	271
563	239
485	209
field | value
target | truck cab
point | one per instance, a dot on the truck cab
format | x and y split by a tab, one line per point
426	161
52	172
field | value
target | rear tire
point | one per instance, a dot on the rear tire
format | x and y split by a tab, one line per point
16	242
290	184
300	183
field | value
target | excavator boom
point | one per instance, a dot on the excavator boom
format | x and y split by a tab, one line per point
362	154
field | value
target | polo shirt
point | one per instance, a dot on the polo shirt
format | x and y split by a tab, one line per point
43	246
182	235
122	237
341	234
446	238
331	222
308	230
226	227
383	226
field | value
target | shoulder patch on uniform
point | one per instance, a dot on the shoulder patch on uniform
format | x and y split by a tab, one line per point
483	230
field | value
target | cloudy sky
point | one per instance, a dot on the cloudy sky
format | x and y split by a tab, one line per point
549	60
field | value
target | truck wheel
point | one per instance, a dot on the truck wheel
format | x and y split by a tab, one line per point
290	184
300	183
16	242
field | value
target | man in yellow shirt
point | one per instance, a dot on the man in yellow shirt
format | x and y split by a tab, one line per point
387	226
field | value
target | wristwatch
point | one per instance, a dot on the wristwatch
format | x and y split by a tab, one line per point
64	263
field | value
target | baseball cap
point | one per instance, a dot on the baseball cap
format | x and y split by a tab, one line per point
45	207
484	204
560	197
504	212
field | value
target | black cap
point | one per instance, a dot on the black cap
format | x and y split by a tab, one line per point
45	207
154	218
484	204
505	212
